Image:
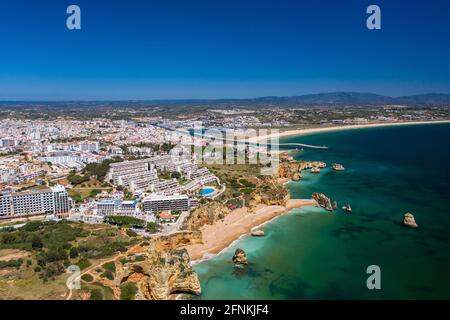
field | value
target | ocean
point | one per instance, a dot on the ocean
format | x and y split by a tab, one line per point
310	253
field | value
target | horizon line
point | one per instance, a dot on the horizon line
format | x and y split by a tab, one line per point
218	99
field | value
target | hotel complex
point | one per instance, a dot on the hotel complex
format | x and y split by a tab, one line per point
158	203
53	200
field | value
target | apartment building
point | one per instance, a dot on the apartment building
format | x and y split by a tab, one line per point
117	207
108	207
157	203
54	200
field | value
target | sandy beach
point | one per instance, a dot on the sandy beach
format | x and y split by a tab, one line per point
239	222
298	132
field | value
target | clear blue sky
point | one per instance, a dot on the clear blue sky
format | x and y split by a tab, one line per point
138	49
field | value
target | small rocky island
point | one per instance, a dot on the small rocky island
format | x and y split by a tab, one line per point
324	201
239	257
257	233
409	221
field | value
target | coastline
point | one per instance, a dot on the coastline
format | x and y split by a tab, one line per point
298	132
238	223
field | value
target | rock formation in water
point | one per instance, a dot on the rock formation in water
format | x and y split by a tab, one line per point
323	201
334	205
239	257
304	165
408	220
296	177
257	233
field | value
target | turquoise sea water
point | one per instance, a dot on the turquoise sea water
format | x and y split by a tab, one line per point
313	254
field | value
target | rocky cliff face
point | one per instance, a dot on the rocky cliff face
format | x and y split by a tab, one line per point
289	170
292	169
206	214
158	268
159	274
176	240
409	221
271	195
323	201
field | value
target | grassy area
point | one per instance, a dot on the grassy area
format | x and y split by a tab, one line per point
87	189
244	183
35	257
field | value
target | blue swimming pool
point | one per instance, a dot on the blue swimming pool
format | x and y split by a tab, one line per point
207	191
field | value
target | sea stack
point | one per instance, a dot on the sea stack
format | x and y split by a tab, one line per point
408	220
240	258
323	201
257	233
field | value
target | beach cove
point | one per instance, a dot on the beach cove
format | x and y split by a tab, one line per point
313	254
239	222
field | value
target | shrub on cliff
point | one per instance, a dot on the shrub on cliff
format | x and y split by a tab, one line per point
96	294
128	291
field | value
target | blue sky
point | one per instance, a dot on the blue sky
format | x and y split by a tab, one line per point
170	49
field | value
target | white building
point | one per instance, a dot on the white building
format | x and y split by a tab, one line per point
157	203
54	200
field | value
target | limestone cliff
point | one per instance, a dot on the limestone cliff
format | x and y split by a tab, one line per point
158	274
271	194
289	170
206	214
175	240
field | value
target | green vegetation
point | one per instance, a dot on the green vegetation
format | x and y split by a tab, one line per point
73	253
96	294
108	275
176	175
75	179
94	192
103	248
83	263
139	258
128	291
87	277
48	248
125	221
152	227
131	233
37	235
11	264
51	270
100	169
110	266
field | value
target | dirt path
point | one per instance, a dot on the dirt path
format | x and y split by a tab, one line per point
99	264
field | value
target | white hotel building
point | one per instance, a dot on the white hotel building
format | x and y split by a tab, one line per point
157	203
54	200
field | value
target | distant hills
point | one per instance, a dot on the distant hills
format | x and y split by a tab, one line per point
330	98
359	98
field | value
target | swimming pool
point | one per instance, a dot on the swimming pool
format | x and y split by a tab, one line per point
207	191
